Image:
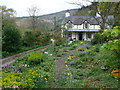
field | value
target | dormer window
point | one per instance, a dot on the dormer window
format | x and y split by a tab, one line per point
85	25
69	22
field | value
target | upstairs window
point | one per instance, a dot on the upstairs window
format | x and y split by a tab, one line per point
85	25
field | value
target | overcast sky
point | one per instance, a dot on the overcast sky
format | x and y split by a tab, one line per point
45	6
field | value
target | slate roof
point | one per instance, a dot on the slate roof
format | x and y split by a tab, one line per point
78	20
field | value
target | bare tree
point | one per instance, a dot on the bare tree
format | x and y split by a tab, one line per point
34	13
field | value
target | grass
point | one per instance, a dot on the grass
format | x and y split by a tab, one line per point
86	69
82	68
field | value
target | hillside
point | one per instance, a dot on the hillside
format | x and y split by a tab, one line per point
59	15
49	18
47	21
86	11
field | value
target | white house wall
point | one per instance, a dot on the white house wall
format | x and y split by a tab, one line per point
84	36
97	27
74	35
89	26
94	27
80	26
75	27
77	36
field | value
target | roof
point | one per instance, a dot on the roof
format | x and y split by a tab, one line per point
77	20
84	30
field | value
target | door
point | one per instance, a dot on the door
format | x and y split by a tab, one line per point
80	36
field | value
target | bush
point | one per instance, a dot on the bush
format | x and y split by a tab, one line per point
98	39
29	39
81	49
58	39
113	41
6	54
45	37
110	49
11	38
35	58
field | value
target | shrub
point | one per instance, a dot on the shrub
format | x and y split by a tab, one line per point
37	34
98	39
35	58
11	38
113	42
29	39
81	49
58	39
45	37
6	54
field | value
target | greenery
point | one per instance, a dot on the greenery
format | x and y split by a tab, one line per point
65	64
11	38
113	41
57	36
16	39
29	39
28	79
98	39
86	70
83	68
35	58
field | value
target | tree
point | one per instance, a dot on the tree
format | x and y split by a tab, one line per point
33	12
57	36
65	28
104	9
11	38
7	15
116	13
10	34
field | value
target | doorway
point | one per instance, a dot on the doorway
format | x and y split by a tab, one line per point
80	36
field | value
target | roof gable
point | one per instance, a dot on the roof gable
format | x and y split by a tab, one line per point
78	20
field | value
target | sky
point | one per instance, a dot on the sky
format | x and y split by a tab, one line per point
45	6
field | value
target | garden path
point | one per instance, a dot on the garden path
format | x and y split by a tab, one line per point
60	68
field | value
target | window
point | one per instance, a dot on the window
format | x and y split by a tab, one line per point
69	35
89	35
85	25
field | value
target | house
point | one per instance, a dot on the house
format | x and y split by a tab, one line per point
80	27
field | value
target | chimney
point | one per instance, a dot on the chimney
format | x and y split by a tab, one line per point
97	14
67	14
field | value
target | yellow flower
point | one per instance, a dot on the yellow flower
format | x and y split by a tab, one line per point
68	74
45	78
81	42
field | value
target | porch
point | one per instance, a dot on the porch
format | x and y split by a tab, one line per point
82	34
